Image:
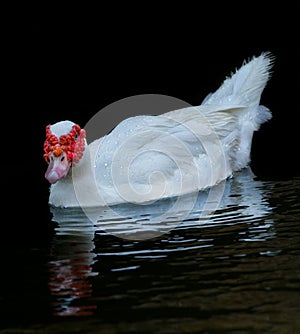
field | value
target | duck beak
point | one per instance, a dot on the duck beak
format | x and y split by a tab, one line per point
58	168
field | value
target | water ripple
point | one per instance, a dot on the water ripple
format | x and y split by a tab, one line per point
235	270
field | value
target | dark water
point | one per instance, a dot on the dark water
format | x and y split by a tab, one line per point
234	269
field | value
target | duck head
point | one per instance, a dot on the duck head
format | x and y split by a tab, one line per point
63	148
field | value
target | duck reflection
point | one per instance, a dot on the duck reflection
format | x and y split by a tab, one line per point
70	268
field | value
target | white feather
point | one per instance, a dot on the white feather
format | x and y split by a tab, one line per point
244	87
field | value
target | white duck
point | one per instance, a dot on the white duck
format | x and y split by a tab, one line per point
146	158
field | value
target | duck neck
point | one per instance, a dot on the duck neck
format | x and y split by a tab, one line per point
83	167
62	193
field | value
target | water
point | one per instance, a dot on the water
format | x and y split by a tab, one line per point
235	269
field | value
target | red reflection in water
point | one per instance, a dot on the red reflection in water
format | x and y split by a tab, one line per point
68	282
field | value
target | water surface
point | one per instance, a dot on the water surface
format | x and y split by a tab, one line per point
235	269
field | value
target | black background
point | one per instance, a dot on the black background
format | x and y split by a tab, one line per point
70	66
